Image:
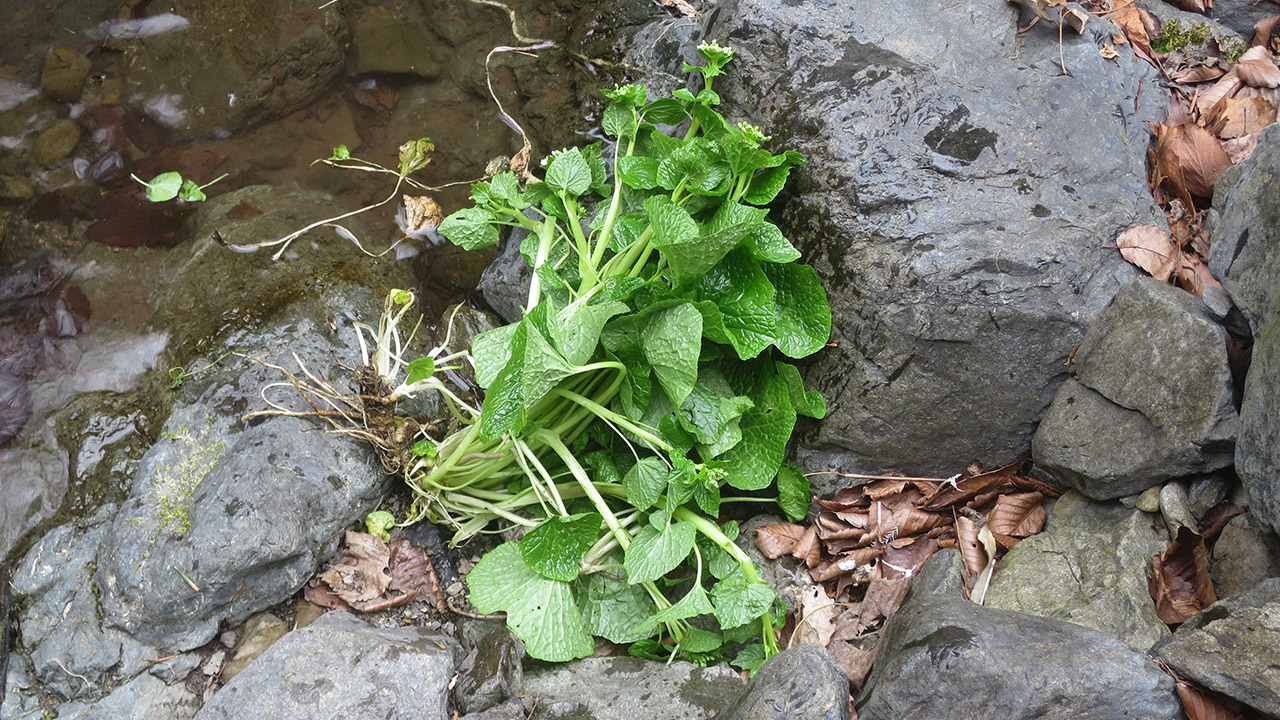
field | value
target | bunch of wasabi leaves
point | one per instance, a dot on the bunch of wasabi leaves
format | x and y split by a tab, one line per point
641	391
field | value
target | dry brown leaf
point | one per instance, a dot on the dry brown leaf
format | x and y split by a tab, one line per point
975	557
882	599
681	8
1189	157
1239	149
360	573
413	574
904	557
1197	74
1226	86
1119	38
1217	517
815	617
1179	581
779	539
1257	68
1198	6
1019	515
808	548
1127	17
1240	116
1109	51
1194	275
1199	705
962	491
317	592
856	661
1266	33
1151	249
1178	110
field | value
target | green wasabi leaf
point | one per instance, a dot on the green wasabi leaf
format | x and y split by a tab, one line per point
593	154
766	186
645	482
191	192
738	601
534	368
490	351
803	315
794	492
713	417
379	524
554	548
163	187
540	611
806	402
671	341
576	328
742	297
568	172
701	641
420	369
471	228
717	560
620	120
766	429
693	604
615	609
340	153
750	658
505	187
767	244
653	554
638	172
667	111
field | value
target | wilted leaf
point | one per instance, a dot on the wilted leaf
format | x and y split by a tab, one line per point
1266	33
1197	74
815	616
1020	515
1199	705
1239	149
317	592
1217	517
1194	275
1240	116
413	574
1257	68
360	573
808	549
975	556
1179	580
1198	6
1226	86
1190	158
905	556
1128	18
856	661
983	581
778	539
1109	52
681	8
1151	249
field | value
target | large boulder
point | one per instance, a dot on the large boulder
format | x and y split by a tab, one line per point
1152	398
959	199
1245	256
628	688
944	656
805	681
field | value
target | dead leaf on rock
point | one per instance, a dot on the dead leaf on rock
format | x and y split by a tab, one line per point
413	574
856	661
1151	249
815	617
1240	116
1179	581
1194	275
1109	51
1266	33
360	573
808	549
1257	68
1197	6
1225	87
975	556
1200	705
1188	160
1217	517
681	8
778	539
1239	149
1197	74
1129	19
1018	515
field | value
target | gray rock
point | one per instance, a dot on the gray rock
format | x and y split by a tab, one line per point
1244	554
397	43
944	656
230	69
957	218
342	667
260	632
1088	567
806	681
70	652
628	688
142	698
504	285
1152	401
1230	647
247	510
35	470
55	143
1245	256
491	672
1241	16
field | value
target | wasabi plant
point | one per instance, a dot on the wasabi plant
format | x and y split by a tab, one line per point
643	389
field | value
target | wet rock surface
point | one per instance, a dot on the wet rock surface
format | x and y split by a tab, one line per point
1152	397
1246	257
1063	670
366	672
622	688
1089	567
1230	647
802	682
960	219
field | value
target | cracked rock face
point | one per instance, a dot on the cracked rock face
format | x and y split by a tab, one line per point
1152	397
958	218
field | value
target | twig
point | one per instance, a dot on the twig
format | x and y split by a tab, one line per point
4	628
448	601
876	477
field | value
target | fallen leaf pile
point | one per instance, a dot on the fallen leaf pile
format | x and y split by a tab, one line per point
1216	108
870	539
371	574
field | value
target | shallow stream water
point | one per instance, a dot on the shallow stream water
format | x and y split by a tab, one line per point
81	247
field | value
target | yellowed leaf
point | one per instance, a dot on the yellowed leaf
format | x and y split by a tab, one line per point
1151	249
